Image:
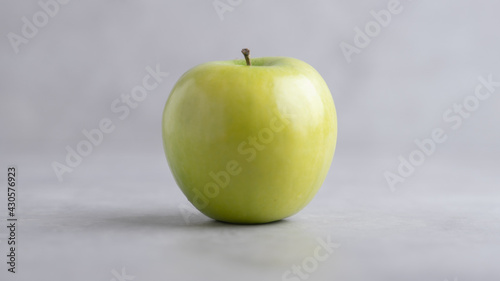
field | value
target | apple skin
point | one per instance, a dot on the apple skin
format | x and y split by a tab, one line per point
250	144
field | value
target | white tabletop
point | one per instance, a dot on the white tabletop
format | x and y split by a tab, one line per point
122	216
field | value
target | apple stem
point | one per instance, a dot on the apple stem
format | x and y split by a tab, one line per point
246	53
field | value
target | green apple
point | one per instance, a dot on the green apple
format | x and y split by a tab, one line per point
250	141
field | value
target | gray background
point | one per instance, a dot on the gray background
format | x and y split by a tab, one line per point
121	207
